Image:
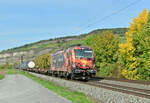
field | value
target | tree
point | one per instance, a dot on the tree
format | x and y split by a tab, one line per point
42	61
105	46
135	53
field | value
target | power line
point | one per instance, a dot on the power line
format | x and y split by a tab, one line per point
107	16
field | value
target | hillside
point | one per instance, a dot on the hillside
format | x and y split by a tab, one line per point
63	41
30	51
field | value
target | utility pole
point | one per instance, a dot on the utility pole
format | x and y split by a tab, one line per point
21	59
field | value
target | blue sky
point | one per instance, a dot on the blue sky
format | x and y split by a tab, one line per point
27	21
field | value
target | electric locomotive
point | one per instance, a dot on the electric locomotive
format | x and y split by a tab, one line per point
75	62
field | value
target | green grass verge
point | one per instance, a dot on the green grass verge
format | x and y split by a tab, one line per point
75	97
3	72
1	77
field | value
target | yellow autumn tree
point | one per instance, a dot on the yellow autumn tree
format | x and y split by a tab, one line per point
135	52
42	61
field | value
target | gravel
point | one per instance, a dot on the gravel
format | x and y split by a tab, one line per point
104	95
20	89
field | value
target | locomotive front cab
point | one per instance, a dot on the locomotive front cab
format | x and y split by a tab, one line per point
83	63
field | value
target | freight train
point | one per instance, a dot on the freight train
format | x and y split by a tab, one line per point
26	65
75	62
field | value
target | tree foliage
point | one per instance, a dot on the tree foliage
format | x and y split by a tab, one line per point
135	53
42	61
105	46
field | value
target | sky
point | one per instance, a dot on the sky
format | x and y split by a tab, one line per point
28	21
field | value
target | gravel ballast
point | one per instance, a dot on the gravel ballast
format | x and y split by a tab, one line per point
104	95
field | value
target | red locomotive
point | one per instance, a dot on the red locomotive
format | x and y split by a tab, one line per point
76	62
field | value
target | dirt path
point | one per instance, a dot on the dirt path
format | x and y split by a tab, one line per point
20	89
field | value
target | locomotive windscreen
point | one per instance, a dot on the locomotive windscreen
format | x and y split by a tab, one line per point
83	53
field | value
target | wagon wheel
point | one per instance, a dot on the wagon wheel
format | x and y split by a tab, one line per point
67	76
86	80
72	76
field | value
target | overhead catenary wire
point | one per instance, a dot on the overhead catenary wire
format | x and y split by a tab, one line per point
107	16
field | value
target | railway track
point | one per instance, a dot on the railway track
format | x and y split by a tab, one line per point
140	92
122	80
144	93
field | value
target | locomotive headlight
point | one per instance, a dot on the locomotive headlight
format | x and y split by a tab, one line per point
73	65
84	65
94	65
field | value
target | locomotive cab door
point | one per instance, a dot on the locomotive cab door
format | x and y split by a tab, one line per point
68	60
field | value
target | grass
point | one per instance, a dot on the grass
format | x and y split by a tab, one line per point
1	76
75	97
3	72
